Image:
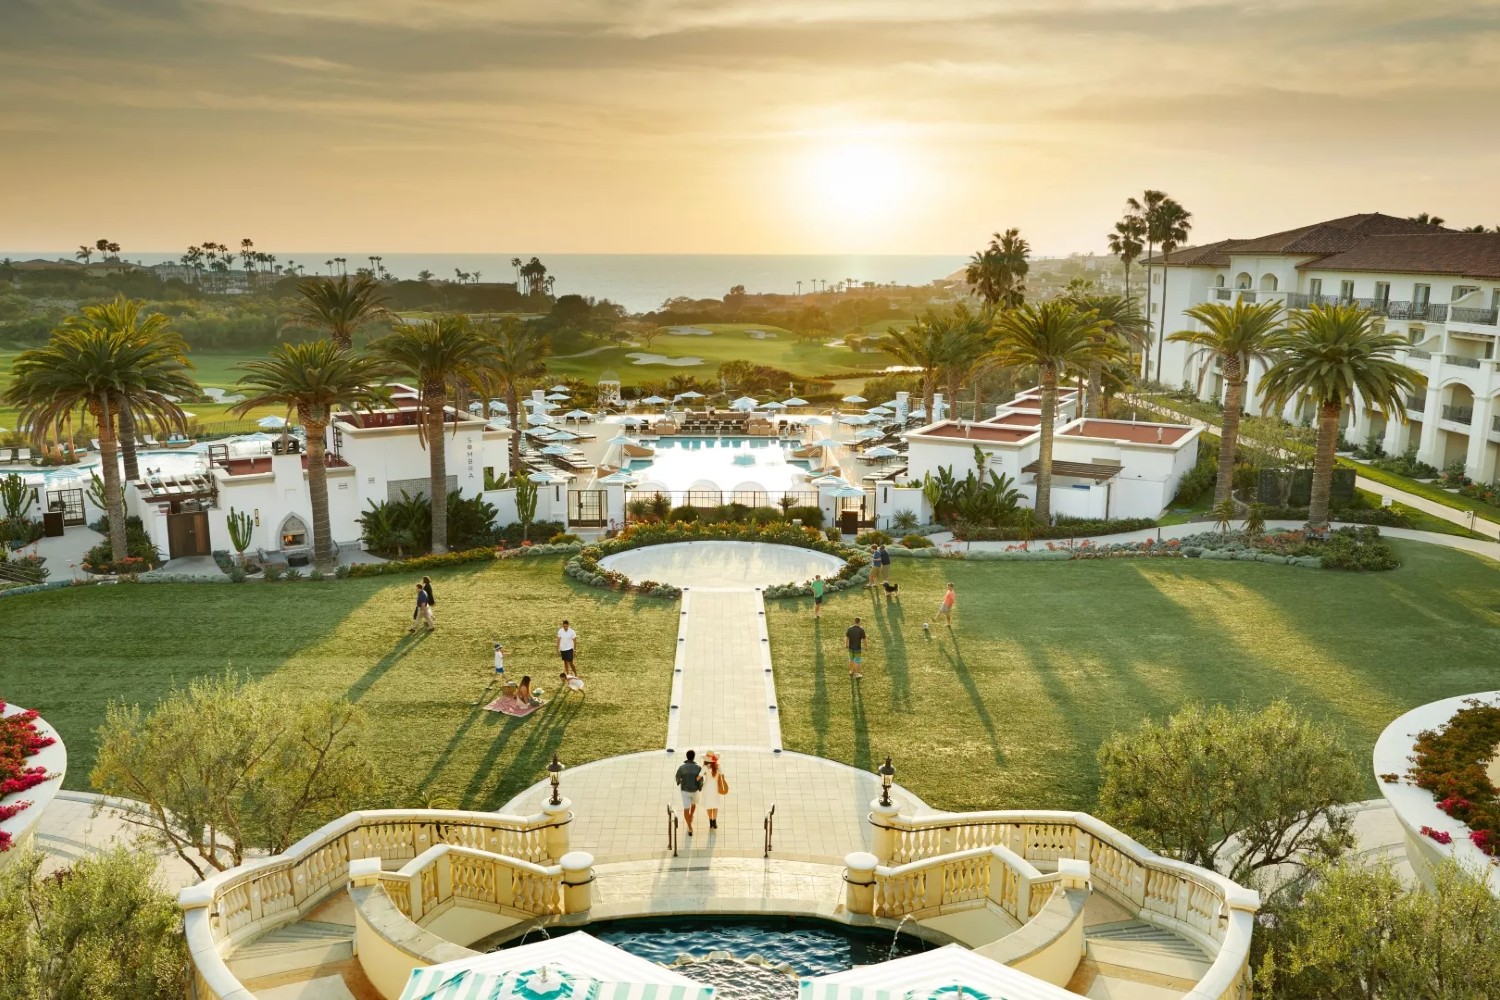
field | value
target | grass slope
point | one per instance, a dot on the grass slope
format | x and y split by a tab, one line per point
68	653
1046	660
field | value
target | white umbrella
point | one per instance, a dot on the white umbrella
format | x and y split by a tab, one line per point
622	439
796	401
869	434
577	415
270	423
537	419
558	388
880	451
498	406
822	481
744	403
619	477
633	421
773	405
653	401
855	399
920	413
557	449
822	443
847	491
690	394
557	395
880	410
476	406
816	421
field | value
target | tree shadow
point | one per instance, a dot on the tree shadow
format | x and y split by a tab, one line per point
861	727
544	737
955	660
404	645
889	619
818	706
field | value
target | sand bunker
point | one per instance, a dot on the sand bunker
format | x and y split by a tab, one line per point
640	358
689	331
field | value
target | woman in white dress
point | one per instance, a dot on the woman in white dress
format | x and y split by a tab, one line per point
715	787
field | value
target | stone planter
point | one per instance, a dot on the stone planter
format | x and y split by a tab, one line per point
22	826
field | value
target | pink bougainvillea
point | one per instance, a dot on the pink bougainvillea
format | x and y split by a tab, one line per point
19	739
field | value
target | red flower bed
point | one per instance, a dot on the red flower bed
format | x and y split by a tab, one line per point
19	739
1450	763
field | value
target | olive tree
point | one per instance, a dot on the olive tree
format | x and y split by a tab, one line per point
224	768
101	930
1234	791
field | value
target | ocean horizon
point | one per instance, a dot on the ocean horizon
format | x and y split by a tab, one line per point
639	282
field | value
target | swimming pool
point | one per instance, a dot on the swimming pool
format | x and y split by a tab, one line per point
179	462
726	464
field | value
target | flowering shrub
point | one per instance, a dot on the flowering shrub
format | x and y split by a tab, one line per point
1441	836
19	739
1450	763
485	554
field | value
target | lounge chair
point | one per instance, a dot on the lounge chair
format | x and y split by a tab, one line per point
94	443
150	441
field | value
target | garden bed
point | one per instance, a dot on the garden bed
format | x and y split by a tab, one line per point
23	769
1452	762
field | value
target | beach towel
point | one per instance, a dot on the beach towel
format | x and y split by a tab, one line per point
510	706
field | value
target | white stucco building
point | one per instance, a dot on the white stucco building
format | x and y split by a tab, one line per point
1439	289
1100	468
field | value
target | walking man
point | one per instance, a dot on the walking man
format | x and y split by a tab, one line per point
855	640
423	611
567	647
689	781
885	568
817	589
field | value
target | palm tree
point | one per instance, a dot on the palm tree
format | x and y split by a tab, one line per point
998	272
1126	242
439	354
965	341
1327	355
1143	212
1236	335
1054	337
339	307
127	317
1122	325
1173	222
315	379
1426	220
515	262
84	253
519	350
95	368
920	346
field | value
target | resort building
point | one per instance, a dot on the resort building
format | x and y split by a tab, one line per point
1439	289
1100	468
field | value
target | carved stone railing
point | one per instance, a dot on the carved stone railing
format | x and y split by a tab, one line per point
234	906
1206	908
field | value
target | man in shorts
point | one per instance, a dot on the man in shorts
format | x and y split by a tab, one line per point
855	640
567	647
689	781
817	589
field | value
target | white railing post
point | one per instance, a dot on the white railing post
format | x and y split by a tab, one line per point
444	874
558	825
884	819
578	881
859	882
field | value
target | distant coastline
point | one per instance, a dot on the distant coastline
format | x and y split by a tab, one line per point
640	282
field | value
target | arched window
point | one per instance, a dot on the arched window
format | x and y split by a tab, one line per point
1218	281
1268	282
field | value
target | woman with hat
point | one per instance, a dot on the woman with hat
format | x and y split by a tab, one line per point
715	787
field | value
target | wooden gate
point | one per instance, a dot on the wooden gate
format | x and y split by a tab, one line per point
187	535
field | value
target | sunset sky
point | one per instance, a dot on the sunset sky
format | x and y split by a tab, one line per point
733	126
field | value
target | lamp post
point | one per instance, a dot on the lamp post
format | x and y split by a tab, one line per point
556	768
887	775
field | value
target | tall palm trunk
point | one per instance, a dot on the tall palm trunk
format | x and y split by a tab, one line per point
114	496
517	426
953	396
1161	339
437	449
325	556
1095	390
126	420
1044	459
1322	482
1146	354
1234	402
929	394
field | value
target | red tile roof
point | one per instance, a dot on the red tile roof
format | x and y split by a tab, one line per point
980	432
1140	433
1472	255
1331	237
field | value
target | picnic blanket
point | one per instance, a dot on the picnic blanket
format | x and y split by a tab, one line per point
512	706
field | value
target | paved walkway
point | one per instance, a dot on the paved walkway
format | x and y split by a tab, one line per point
1450	514
77	824
723	694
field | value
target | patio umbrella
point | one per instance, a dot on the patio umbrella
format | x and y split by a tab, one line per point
622	439
476	406
869	434
618	477
537	419
855	399
773	405
633	421
920	413
880	451
558	388
816	421
271	423
557	449
690	394
796	401
557	395
744	403
823	481
847	492
577	415
653	401
822	443
498	406
879	410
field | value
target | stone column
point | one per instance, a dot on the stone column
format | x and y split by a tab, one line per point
364	871
578	881
559	821
1075	873
1478	461
859	882
1427	449
883	840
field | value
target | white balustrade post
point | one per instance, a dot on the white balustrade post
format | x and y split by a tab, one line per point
859	882
883	819
364	871
558	823
444	872
578	881
1074	872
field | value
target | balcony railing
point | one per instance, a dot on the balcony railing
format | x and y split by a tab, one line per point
1495	423
1462	362
1431	312
1421	311
1247	295
1417	404
1224	294
1465	314
1459	414
1417	352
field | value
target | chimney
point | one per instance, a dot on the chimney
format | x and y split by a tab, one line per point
1158	435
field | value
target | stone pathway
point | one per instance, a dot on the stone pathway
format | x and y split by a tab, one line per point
77	824
723	694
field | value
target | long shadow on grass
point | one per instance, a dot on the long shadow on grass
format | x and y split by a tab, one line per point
818	706
404	645
543	735
861	758
955	660
889	618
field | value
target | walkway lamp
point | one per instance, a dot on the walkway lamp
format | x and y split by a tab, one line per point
887	775
554	769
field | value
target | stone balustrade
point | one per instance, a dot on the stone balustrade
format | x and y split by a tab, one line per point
944	849
234	906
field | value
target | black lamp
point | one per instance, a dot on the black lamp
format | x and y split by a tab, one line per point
555	768
887	775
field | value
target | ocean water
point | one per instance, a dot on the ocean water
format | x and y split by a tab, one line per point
640	282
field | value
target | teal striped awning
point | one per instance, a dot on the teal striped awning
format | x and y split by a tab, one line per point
467	984
812	989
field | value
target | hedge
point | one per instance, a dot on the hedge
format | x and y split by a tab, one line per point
485	554
1064	528
1450	763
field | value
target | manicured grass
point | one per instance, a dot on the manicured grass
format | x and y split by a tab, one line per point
68	653
728	342
1046	660
1427	491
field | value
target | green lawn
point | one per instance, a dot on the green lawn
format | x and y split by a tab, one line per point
68	653
728	342
1046	660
